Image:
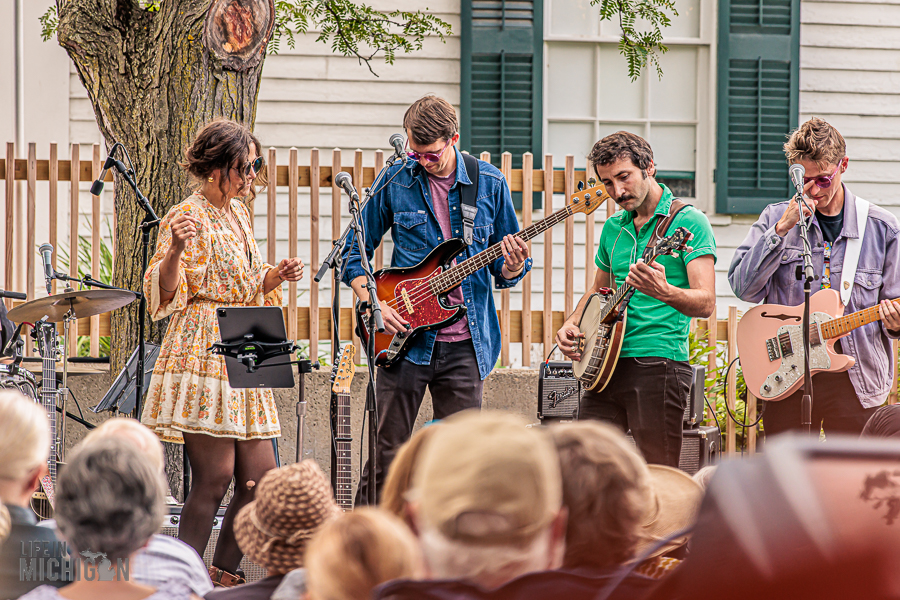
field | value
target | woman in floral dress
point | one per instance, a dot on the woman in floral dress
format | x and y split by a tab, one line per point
205	258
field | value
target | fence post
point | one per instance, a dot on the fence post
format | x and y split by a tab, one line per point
358	184
379	251
548	258
335	234
506	169
570	237
314	174
74	179
10	217
293	183
272	208
95	248
30	200
730	391
589	266
527	201
54	208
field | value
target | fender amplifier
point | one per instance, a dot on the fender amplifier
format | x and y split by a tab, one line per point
559	393
252	571
699	448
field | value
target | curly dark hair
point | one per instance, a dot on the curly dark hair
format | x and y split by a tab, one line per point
622	144
218	146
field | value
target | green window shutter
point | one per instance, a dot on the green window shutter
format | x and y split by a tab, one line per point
500	85
758	101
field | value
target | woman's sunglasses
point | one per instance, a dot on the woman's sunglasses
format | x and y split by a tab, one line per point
429	156
823	182
255	165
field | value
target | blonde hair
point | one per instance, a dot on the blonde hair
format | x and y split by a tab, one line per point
606	487
131	430
703	476
816	141
5	523
351	555
24	435
399	477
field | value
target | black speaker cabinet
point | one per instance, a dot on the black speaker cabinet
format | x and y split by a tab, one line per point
693	412
252	571
559	393
699	448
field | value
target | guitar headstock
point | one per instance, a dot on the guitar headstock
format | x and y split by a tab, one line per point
587	200
343	370
676	242
44	335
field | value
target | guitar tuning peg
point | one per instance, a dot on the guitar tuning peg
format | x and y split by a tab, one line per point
580	185
592	182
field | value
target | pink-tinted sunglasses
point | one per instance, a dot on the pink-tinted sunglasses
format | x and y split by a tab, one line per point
429	156
823	182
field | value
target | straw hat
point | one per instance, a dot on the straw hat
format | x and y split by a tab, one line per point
674	503
291	504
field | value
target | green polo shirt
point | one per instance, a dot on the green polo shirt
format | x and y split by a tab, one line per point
653	327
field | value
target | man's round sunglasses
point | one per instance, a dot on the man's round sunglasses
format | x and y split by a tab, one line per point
256	165
823	182
431	157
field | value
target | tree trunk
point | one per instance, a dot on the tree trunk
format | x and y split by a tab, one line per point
152	84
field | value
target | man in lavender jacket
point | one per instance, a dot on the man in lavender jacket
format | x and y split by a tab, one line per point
764	269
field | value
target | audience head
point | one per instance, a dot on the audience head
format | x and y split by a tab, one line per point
606	489
5	522
110	499
487	499
131	430
399	477
358	551
24	446
703	476
884	422
674	504
290	505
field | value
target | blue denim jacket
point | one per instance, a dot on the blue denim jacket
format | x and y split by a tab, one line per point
404	206
764	268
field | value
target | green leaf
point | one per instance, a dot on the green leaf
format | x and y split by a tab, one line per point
641	49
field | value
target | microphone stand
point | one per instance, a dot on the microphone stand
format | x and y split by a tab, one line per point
147	224
335	261
806	273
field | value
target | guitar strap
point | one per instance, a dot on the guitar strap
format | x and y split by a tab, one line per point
663	226
851	253
468	194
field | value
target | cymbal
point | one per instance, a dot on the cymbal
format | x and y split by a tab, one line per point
84	303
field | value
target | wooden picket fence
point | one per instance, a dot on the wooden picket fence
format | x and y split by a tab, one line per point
528	326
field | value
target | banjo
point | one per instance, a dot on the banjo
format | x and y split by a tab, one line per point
604	318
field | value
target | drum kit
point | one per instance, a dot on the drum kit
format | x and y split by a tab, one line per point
42	315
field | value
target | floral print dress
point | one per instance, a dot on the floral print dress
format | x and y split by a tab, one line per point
189	391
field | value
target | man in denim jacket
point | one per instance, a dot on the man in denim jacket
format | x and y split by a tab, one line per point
764	268
421	206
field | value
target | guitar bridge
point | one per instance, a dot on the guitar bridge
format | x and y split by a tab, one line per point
772	348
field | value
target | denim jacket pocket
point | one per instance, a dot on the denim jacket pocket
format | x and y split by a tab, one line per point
410	230
866	287
786	276
481	235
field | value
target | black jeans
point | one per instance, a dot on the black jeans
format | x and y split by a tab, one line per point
455	384
647	395
835	408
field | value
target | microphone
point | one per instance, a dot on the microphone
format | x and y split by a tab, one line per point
46	251
344	180
797	172
97	186
397	142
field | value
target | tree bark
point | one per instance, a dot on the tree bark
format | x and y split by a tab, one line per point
152	84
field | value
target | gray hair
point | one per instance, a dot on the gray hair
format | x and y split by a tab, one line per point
110	499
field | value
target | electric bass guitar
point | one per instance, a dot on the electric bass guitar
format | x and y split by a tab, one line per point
419	293
43	500
770	342
604	318
341	376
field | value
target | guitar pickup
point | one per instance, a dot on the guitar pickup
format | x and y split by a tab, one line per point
772	349
784	342
407	301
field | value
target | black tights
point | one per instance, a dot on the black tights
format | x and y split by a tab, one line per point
214	461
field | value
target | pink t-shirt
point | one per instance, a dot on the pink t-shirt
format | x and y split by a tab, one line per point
440	189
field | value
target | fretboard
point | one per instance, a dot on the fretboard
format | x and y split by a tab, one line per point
848	323
452	277
342	441
48	394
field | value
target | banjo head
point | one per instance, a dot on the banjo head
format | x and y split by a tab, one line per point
589	326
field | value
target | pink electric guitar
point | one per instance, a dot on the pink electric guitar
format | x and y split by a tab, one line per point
770	342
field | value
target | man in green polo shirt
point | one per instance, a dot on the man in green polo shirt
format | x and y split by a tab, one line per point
648	391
